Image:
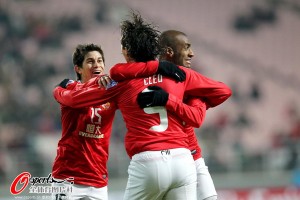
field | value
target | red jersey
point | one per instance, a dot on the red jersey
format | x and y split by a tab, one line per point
82	151
192	114
193	141
148	129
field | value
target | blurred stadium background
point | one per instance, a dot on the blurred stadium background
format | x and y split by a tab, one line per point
250	143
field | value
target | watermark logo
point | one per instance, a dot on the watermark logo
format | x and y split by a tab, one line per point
41	185
23	180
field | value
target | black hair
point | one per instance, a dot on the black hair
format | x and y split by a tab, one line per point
168	39
140	39
80	52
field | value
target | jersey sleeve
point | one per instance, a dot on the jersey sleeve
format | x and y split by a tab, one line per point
85	95
71	85
193	113
124	71
212	92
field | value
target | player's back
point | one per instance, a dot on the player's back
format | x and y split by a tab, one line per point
152	128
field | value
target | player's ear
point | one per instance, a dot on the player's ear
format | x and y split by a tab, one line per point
77	69
169	51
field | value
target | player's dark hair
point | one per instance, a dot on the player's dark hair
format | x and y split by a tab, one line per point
140	39
168	39
80	52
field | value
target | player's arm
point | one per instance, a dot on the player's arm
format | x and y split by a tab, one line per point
212	92
85	95
156	96
193	113
125	71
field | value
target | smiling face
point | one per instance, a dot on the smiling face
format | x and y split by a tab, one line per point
92	66
182	52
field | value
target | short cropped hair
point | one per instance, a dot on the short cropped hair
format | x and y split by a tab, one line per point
168	39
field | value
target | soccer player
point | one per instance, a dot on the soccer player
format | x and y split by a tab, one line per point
161	166
82	151
176	48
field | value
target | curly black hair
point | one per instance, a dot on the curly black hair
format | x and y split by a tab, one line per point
140	39
81	50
